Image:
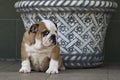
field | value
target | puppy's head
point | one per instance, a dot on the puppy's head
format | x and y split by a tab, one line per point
46	32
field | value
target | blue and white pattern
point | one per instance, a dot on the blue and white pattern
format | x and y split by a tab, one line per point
78	32
81	26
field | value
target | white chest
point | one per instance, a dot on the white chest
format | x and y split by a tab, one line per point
32	49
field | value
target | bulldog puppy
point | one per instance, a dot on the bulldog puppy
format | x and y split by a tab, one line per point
40	49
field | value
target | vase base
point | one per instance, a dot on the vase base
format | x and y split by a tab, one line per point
82	60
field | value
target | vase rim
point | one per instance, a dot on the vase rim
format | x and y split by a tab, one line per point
65	5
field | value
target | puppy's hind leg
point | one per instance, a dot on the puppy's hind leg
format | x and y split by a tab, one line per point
61	65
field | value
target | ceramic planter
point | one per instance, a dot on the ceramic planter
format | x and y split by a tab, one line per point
81	24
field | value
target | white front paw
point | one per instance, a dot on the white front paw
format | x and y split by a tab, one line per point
25	70
53	67
52	71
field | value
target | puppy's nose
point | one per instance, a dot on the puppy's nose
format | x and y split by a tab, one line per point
53	38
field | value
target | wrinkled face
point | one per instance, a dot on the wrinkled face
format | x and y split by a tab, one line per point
46	32
49	35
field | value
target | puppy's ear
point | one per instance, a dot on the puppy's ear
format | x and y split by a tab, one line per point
34	28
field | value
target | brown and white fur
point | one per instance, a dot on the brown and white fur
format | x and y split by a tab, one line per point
40	49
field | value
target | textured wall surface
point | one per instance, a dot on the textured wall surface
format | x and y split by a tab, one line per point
12	30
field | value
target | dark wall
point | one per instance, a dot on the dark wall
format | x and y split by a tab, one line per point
11	31
112	41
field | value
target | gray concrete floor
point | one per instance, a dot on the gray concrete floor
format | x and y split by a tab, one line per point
111	71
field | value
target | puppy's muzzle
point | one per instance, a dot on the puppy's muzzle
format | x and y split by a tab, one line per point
53	38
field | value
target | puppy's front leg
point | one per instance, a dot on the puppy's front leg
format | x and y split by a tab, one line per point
53	67
25	66
54	62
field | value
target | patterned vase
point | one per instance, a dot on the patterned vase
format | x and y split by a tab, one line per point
81	24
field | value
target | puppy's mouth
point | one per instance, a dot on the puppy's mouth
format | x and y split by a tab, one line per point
50	41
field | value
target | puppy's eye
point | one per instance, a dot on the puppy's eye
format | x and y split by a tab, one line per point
45	33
